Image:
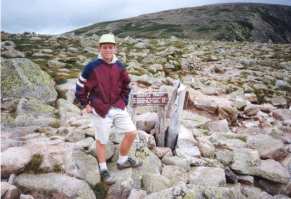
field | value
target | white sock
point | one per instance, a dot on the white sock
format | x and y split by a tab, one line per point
103	166
122	159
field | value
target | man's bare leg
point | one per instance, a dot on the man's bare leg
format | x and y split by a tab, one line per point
124	161
100	152
127	142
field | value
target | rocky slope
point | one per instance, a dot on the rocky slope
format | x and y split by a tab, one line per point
235	133
228	22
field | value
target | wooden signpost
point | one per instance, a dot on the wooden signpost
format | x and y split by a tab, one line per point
159	99
169	112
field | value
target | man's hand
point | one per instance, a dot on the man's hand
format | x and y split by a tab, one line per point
87	109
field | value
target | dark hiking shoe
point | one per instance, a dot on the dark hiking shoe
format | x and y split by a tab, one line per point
129	163
106	177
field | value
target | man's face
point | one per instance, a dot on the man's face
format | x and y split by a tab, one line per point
107	51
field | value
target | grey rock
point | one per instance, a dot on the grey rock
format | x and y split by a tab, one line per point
25	79
71	187
175	174
81	165
272	170
155	182
14	159
267	146
207	176
31	111
9	191
245	160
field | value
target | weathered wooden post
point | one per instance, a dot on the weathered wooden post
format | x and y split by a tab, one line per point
174	113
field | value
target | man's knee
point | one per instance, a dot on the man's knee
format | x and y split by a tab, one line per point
131	134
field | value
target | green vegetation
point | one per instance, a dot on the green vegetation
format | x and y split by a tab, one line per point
34	165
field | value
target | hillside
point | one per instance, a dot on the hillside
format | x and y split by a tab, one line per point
227	22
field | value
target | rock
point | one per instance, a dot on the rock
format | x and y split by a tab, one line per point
162	151
71	187
227	140
271	187
245	160
230	176
229	113
272	170
68	89
85	144
12	53
207	176
224	156
55	63
218	126
247	180
14	159
123	185
25	79
253	193
175	174
151	163
191	120
9	191
67	110
267	146
283	115
176	161
110	150
279	101
281	84
25	196
146	140
31	111
73	50
186	145
137	194
147	121
197	191
251	110
213	104
155	182
205	147
82	166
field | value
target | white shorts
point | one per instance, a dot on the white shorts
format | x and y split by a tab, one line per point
116	118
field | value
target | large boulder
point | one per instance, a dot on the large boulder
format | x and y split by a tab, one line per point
51	182
245	160
272	170
155	182
267	146
32	111
197	191
187	146
147	121
23	78
207	176
82	166
175	174
67	89
14	159
9	191
283	115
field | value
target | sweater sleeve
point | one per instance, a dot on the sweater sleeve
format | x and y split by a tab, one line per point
84	85
125	86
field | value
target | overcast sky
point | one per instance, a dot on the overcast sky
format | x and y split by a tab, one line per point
58	16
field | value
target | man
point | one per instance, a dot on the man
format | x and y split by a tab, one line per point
102	90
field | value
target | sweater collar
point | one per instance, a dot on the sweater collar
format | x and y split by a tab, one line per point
114	59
